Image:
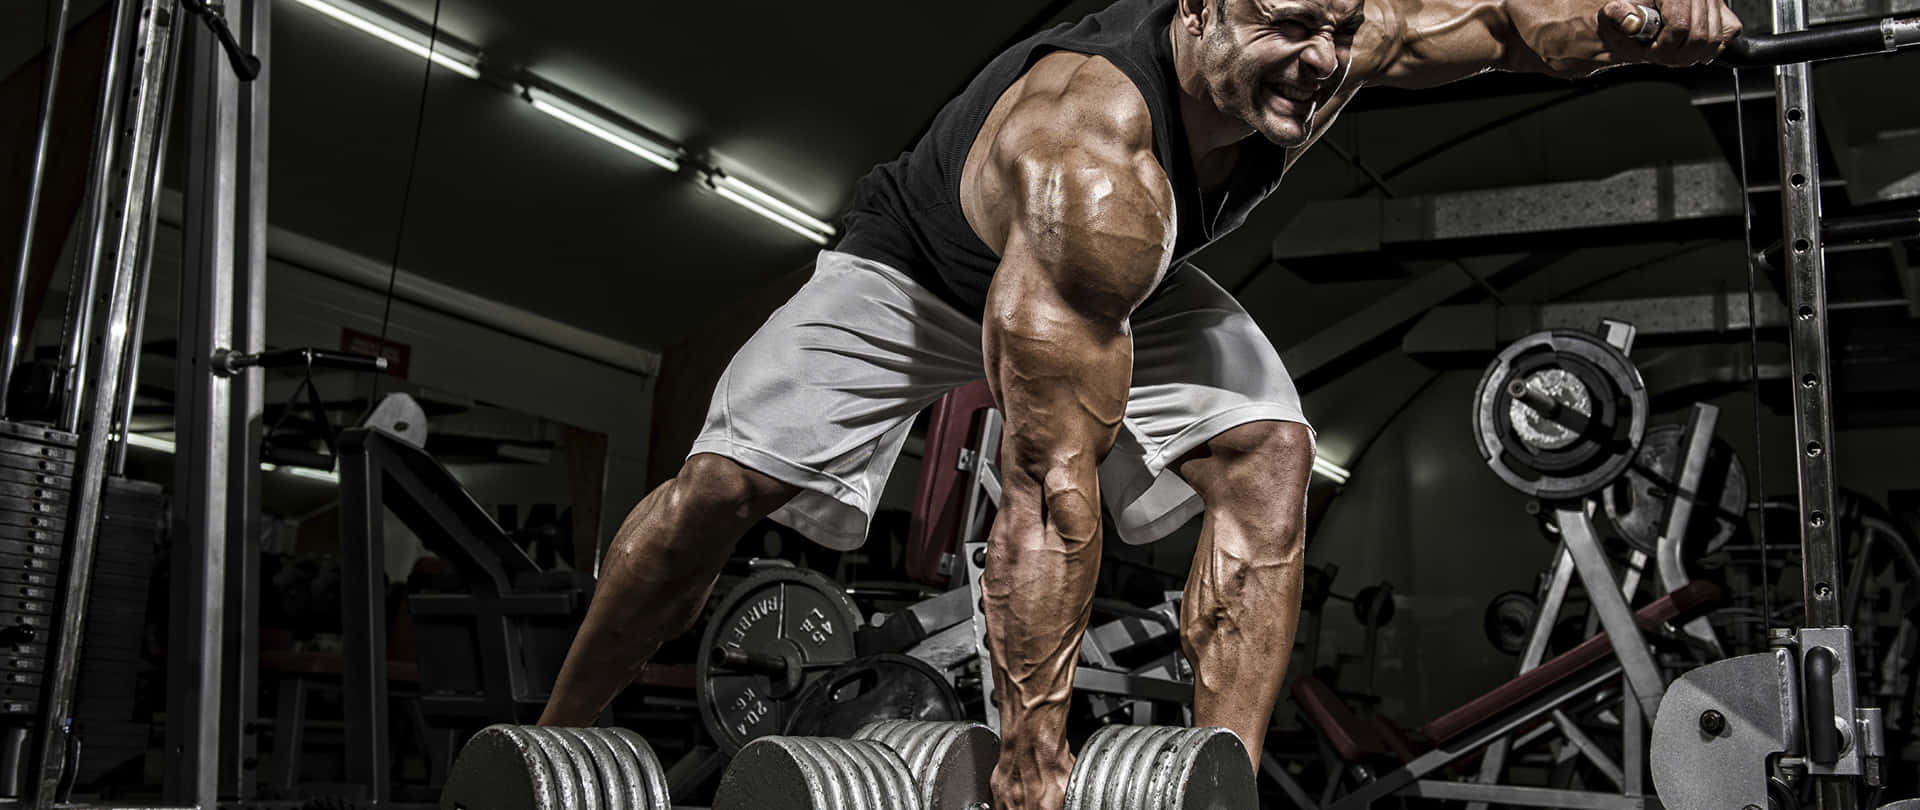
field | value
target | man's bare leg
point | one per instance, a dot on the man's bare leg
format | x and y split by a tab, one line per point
1060	377
657	575
1242	600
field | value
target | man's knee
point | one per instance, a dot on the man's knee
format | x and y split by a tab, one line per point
720	487
1258	472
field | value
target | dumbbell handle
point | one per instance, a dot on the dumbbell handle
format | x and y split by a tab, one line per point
1549	408
749	662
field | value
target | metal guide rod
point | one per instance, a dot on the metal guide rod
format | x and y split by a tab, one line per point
240	684
120	204
17	304
108	194
202	429
1812	402
143	271
1807	286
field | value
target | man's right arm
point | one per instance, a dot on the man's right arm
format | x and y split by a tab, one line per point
1065	183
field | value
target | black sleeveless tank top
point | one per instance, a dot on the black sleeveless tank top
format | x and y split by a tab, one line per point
906	213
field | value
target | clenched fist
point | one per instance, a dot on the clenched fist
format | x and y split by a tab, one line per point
1678	33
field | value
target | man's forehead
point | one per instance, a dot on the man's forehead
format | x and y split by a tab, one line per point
1334	10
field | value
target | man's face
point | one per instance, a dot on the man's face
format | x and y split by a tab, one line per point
1272	63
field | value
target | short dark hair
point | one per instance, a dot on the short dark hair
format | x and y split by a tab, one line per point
1220	9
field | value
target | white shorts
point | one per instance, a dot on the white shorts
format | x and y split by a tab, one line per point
823	395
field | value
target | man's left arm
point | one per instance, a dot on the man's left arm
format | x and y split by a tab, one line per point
1421	43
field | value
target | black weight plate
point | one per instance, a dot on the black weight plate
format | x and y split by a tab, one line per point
1637	503
784	613
37	607
38	433
27	478
26	535
20	707
21	563
33	620
116	600
130	488
20	678
13	590
869	689
15	578
14	664
28	520
1618	440
1373	605
28	649
31	506
43	550
33	449
37	464
39	494
1508	620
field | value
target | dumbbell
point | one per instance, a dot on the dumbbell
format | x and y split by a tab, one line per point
902	765
1162	768
887	765
506	767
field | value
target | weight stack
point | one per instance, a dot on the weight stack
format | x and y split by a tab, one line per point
36	486
133	520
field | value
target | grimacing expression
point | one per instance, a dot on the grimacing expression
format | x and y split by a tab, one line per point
1272	63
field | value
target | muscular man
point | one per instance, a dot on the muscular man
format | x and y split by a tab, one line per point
1035	236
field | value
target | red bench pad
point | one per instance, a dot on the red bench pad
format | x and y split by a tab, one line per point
1690	601
939	497
1327	712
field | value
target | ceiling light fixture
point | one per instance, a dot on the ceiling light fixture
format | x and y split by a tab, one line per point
1333	472
773	208
400	35
659	153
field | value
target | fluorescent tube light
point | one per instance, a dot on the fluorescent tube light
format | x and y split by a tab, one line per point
150	442
772	208
660	154
400	35
1333	472
167	446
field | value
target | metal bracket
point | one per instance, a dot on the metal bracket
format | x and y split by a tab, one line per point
1839	642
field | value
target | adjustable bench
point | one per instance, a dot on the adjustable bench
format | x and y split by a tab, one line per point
1530	700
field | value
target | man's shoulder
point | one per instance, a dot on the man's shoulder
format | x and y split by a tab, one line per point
1079	98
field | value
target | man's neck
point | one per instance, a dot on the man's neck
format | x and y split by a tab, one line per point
1209	130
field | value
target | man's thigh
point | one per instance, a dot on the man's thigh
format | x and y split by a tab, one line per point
1201	367
822	395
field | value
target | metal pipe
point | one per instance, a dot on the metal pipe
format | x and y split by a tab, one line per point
143	274
1807	324
17	304
106	202
202	427
1799	45
240	668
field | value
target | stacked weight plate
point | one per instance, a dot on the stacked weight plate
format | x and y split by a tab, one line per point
36	481
133	517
